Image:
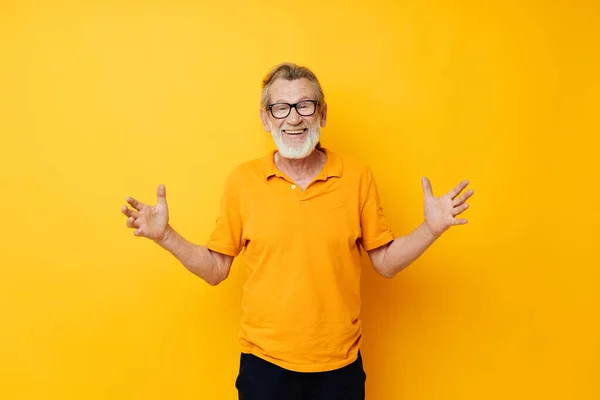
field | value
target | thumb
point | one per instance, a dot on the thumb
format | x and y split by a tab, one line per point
426	186
161	195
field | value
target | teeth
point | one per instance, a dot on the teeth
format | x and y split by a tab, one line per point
294	132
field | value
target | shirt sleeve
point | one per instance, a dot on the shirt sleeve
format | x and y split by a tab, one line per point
226	237
375	229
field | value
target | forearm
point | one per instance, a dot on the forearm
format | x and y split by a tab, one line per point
195	258
404	250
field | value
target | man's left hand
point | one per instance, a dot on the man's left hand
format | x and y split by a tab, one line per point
441	212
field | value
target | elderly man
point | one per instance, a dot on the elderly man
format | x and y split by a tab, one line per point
303	214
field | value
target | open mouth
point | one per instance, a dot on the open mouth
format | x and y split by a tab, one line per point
294	132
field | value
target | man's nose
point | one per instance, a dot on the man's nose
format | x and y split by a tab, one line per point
294	118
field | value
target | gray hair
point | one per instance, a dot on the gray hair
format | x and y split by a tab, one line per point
290	72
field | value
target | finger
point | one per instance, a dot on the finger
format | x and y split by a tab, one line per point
129	212
134	203
459	188
459	210
138	232
132	223
161	194
463	197
459	221
426	186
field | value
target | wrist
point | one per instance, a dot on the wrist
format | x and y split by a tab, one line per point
167	235
429	232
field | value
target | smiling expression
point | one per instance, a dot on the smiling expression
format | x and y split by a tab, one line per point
295	136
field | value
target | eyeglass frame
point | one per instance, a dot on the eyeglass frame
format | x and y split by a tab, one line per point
315	102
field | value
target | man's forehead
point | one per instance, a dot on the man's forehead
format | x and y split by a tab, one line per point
282	89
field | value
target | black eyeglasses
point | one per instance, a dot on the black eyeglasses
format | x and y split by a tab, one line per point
306	108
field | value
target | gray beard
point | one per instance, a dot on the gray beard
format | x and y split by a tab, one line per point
297	152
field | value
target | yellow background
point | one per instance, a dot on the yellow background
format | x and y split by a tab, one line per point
103	100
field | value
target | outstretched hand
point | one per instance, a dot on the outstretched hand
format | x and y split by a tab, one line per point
148	221
441	212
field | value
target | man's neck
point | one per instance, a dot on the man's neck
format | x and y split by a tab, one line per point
303	168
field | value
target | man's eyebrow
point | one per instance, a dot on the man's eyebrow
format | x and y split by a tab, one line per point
300	99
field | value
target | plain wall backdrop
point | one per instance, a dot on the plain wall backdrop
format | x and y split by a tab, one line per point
103	100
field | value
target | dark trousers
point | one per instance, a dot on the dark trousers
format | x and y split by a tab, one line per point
261	380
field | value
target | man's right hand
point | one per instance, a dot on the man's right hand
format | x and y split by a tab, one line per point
149	221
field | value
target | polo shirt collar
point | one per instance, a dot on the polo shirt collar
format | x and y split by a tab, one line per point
333	166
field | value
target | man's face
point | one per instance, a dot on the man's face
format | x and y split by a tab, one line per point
295	135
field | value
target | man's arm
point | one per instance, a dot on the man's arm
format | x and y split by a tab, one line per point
209	265
398	254
440	214
152	222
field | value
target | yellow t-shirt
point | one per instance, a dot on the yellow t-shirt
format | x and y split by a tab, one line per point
302	250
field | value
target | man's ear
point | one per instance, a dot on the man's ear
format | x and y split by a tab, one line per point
264	117
323	115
